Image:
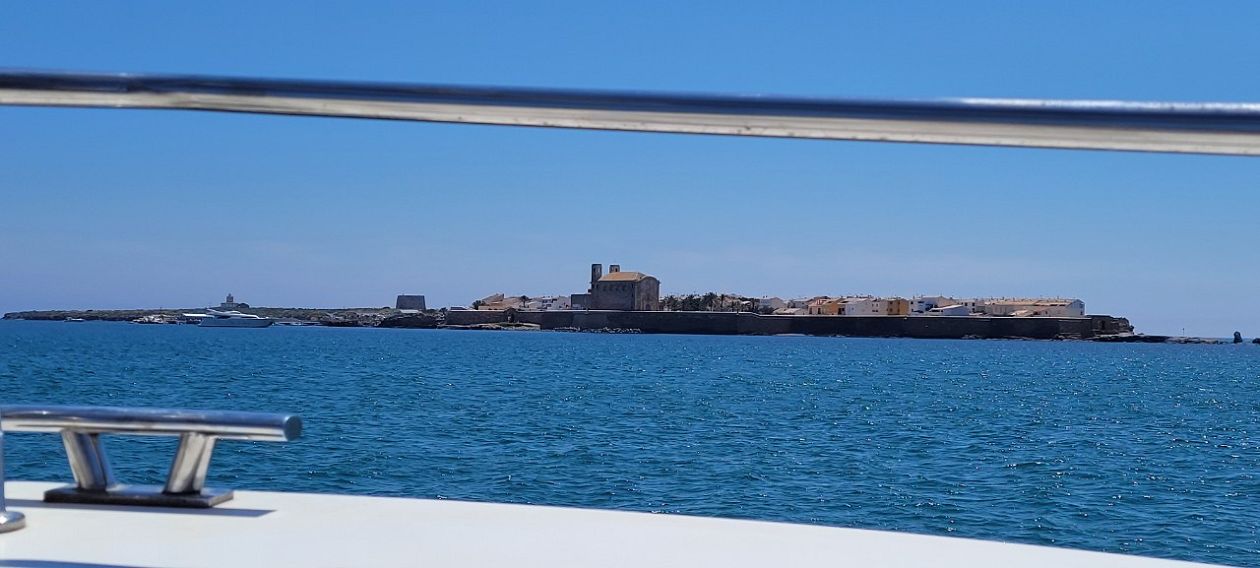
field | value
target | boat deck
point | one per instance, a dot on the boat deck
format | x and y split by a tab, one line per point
292	529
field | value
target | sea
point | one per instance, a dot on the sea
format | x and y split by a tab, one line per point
1131	448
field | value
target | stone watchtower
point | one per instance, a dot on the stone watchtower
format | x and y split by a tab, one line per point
230	303
409	302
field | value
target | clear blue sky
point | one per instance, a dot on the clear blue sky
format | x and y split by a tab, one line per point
112	209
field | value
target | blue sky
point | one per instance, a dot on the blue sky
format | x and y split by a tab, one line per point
111	209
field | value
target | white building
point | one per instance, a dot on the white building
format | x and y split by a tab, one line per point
801	302
548	303
950	310
864	306
920	305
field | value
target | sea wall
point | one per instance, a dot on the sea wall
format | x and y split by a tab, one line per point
712	323
477	317
730	323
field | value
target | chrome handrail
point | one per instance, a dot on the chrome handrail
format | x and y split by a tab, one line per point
1203	128
198	430
9	520
260	426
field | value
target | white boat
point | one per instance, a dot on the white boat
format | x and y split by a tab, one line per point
233	318
98	522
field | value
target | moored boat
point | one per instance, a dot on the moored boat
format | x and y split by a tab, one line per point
155	319
233	318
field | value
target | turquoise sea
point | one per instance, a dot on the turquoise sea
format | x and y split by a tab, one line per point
1141	449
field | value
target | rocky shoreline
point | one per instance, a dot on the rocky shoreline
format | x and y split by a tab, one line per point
437	319
335	317
1144	338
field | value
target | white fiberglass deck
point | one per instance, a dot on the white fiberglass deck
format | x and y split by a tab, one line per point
291	529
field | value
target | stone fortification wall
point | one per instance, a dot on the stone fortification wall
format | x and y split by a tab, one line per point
475	317
729	323
1110	325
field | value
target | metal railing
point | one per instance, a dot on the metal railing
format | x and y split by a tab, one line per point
9	520
81	428
1207	128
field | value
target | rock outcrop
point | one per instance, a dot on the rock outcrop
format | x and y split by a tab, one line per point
411	321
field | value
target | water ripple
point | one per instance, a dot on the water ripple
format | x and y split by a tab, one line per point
1141	449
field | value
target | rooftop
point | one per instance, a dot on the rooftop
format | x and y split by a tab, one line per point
623	277
1032	302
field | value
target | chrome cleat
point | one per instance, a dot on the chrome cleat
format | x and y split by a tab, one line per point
81	428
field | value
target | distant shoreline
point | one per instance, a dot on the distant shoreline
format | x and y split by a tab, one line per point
362	317
398	320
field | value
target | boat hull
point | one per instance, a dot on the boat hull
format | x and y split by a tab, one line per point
235	322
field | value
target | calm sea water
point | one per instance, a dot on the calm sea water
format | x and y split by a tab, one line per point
1143	449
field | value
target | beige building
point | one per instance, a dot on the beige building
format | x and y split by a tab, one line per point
825	306
500	302
771	303
858	306
1034	307
897	307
